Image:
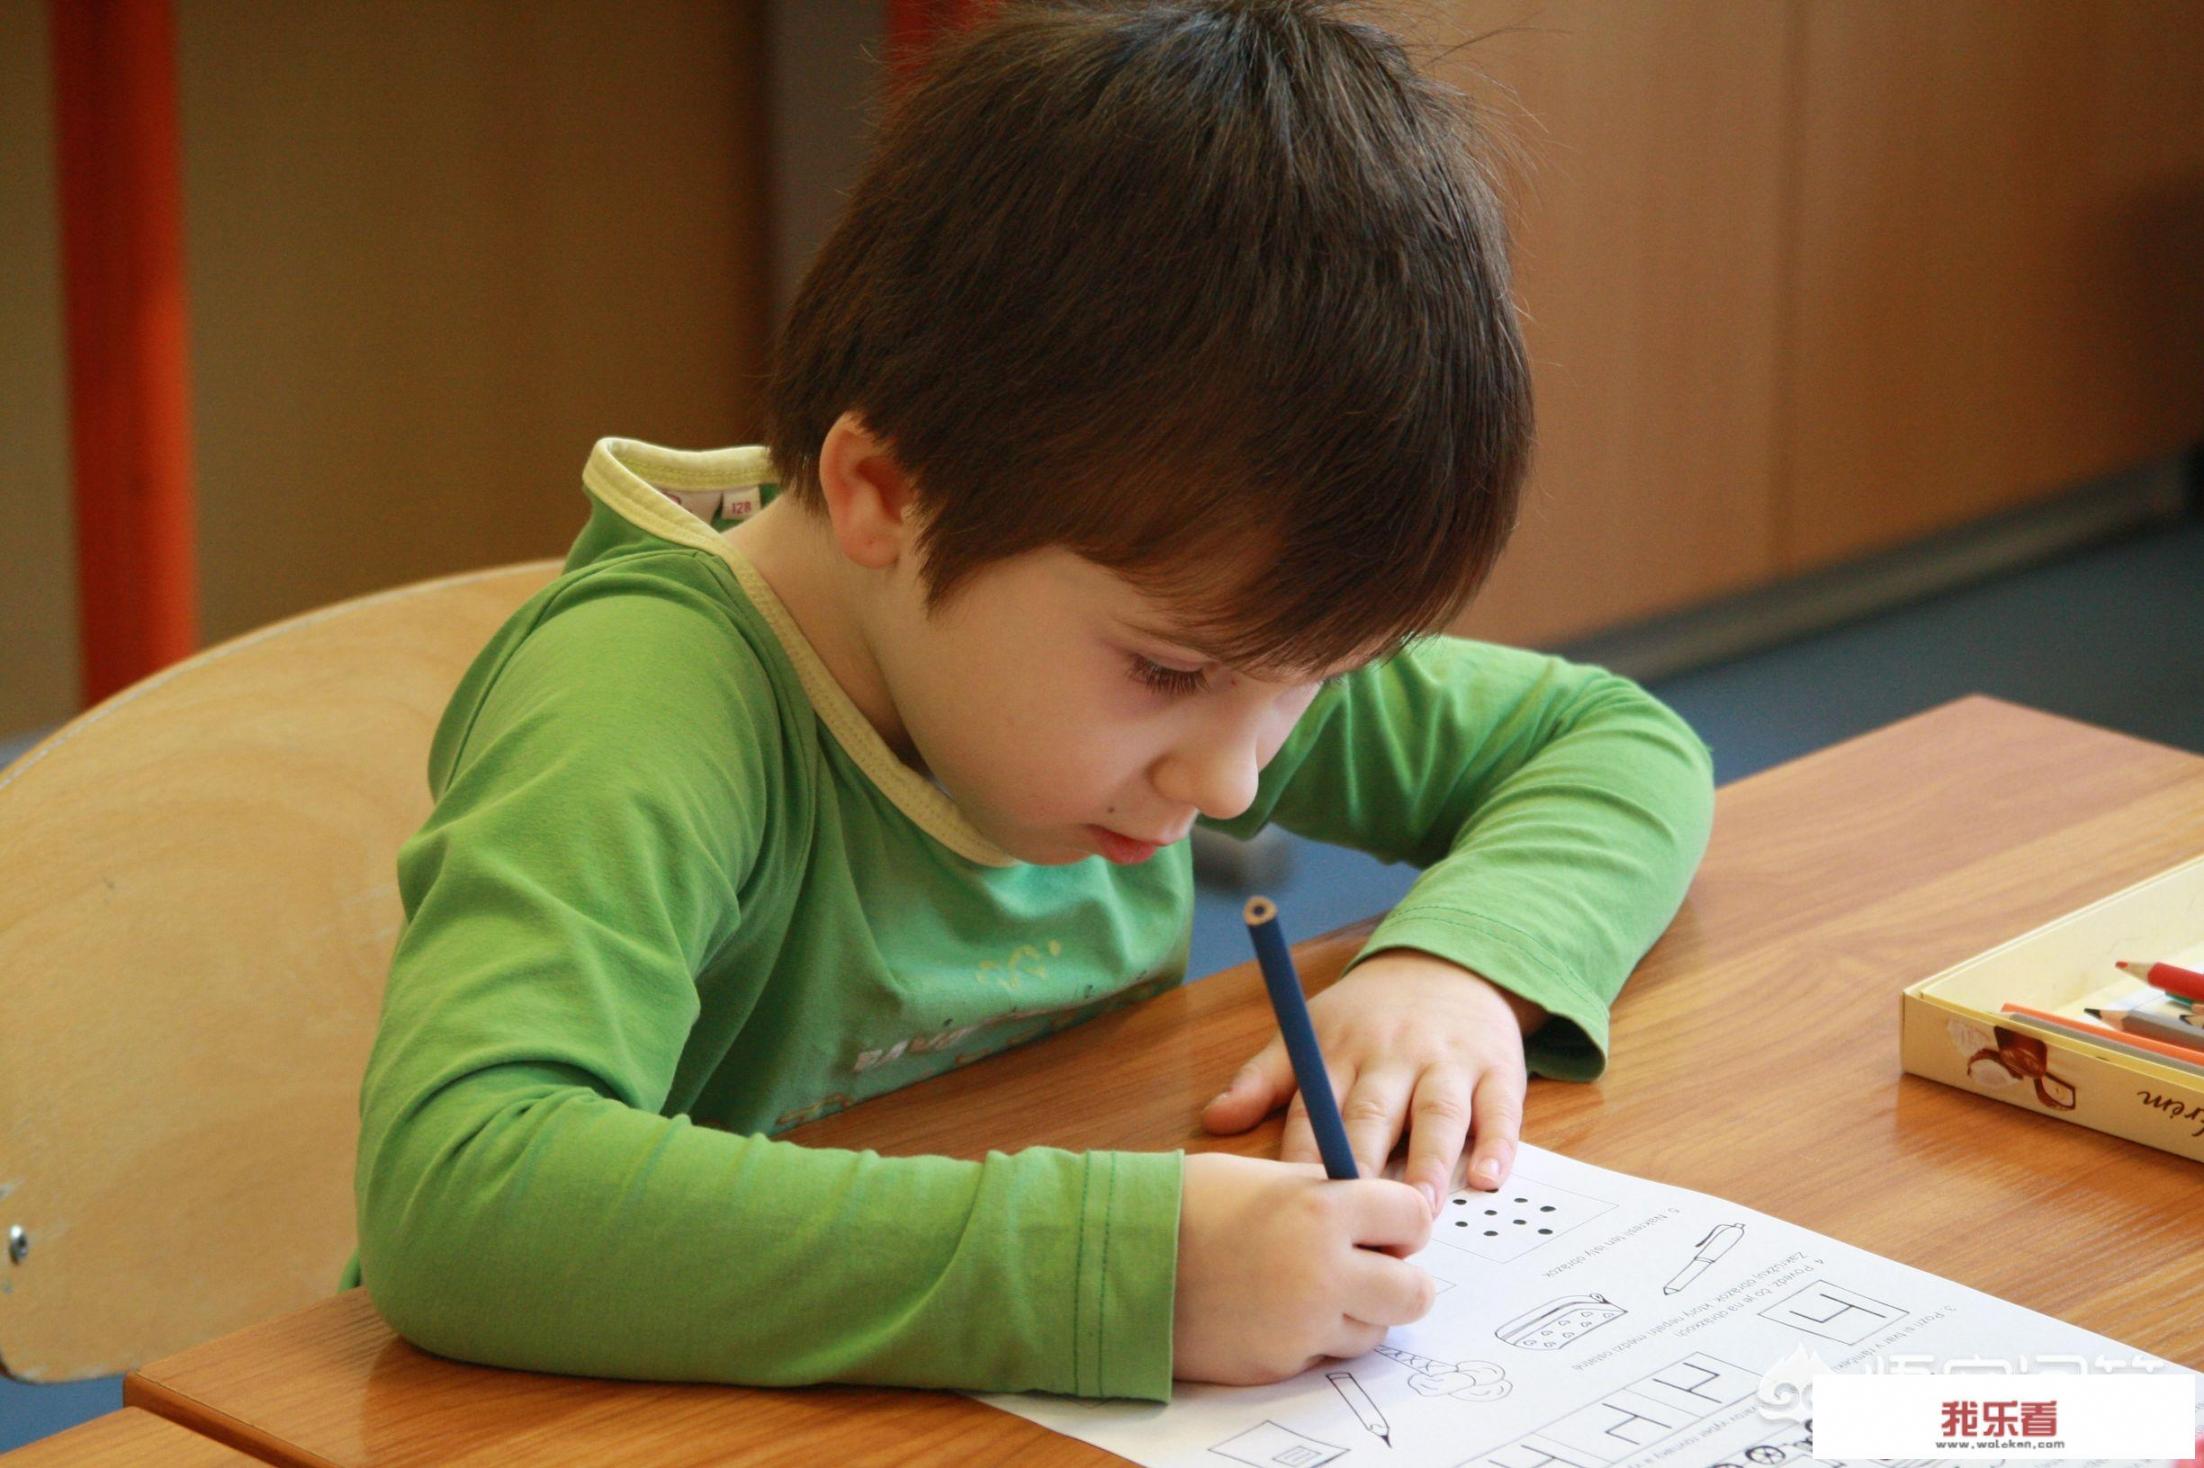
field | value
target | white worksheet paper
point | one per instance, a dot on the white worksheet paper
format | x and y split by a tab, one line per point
1590	1319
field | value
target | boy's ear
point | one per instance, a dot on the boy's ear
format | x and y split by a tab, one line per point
868	495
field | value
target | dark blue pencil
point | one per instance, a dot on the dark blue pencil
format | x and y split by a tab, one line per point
1292	1009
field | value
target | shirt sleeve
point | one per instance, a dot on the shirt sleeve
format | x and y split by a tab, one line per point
521	1200
1558	811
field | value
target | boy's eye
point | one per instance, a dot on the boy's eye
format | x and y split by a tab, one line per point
1167	680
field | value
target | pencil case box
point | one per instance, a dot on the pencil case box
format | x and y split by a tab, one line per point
1555	1324
1952	1029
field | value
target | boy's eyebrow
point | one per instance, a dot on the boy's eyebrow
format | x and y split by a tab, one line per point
1158	634
1175	640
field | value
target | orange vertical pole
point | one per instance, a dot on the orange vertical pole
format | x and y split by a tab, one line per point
121	204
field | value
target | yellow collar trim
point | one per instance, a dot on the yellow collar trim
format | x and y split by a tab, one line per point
639	481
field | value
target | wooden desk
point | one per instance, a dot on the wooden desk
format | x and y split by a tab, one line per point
1756	1057
126	1439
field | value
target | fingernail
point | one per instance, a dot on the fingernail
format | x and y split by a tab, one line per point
1488	1172
1431	1196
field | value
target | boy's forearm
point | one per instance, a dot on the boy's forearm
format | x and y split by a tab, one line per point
523	1223
1570	868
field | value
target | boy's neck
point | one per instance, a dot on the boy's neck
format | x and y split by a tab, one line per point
796	554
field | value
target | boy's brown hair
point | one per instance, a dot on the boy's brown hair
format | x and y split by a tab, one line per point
1213	293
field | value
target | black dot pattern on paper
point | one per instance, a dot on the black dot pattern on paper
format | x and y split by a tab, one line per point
1508	1225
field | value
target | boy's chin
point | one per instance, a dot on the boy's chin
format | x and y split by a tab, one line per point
1065	854
1042	851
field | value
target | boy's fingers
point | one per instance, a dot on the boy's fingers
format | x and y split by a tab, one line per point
1387	1291
1438	1131
1299	1142
1385	1217
1496	1123
1254	1093
1354	1338
1374	1112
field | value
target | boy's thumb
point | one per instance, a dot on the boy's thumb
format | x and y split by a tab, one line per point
1255	1092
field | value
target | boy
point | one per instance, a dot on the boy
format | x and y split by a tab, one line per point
1156	393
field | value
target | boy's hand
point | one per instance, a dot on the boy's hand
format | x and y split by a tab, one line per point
1408	1039
1279	1267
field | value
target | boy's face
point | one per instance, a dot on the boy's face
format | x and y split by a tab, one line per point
1050	699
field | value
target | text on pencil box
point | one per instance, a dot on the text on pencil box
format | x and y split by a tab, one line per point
2175	1109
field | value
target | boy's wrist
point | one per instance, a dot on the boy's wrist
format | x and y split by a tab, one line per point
1529	1014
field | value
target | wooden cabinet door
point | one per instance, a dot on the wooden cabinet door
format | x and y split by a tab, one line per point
1648	232
1999	289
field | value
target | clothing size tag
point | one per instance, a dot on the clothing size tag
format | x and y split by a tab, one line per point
714	505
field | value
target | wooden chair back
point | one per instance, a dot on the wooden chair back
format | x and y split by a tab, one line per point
198	905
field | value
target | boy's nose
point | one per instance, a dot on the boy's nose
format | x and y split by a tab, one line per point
1219	781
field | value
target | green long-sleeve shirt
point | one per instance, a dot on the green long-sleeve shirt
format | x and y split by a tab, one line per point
676	896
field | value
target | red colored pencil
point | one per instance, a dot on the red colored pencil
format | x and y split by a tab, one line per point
2170	977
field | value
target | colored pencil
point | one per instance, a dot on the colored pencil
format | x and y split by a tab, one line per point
1292	1008
2096	1034
2139	1024
2171	977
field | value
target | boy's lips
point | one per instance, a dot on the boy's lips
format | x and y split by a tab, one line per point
1121	848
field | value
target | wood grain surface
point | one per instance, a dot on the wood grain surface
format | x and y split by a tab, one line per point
1755	1056
131	1438
1993	288
197	912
